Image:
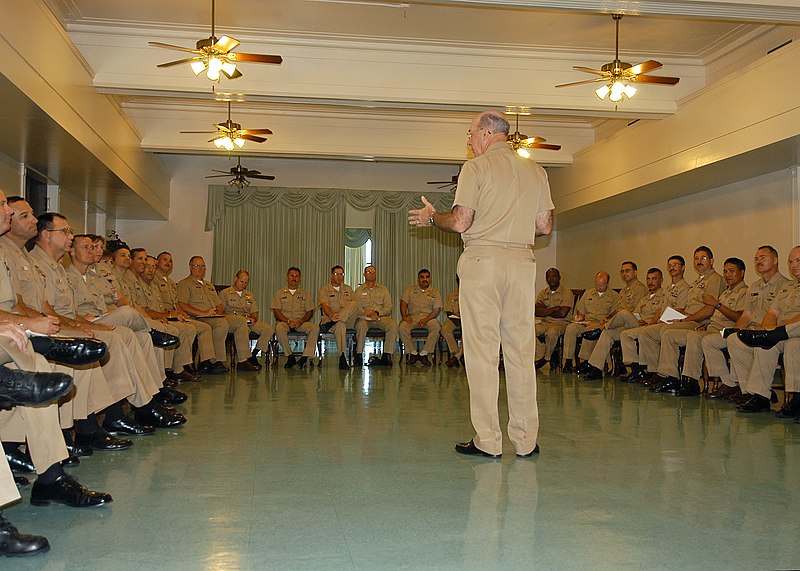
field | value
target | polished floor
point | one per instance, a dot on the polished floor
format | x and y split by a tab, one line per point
320	469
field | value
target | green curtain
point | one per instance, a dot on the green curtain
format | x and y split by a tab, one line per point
266	229
354	261
356	237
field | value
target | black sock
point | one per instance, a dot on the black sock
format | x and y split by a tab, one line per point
145	408
114	412
88	426
11	447
68	438
53	473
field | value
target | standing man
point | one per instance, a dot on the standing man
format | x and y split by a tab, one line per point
375	310
238	300
419	306
293	308
501	203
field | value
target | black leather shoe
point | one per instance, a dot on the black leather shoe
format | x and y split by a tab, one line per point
689	388
69	350
728	331
582	368
530	454
668	385
358	360
20	461
163	340
302	362
16	544
756	403
343	364
102	440
291	361
168	395
26	387
636	376
792	407
182	377
539	363
68	491
424	360
594	374
246	365
453	362
169	383
159	418
761	338
79	451
411	359
215	368
592	334
567	366
127	426
470	449
71	461
724	392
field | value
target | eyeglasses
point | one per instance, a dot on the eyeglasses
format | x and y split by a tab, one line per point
470	132
66	231
198	265
338	274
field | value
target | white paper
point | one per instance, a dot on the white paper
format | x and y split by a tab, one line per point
669	315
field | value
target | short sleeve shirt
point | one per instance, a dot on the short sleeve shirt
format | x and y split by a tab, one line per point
57	289
374	298
787	301
710	283
421	301
560	297
451	304
238	303
761	294
595	306
677	294
630	295
293	306
733	298
200	294
336	300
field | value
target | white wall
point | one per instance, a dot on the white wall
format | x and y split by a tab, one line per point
733	220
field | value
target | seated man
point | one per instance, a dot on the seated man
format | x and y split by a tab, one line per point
339	311
646	312
293	308
553	306
374	311
728	308
238	300
453	313
592	308
419	306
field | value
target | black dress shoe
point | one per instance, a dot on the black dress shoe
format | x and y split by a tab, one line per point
102	440
358	360
424	360
582	368
302	362
127	426
470	449
530	454
291	361
539	363
68	491
756	403
668	385
723	391
592	334
636	376
168	395
21	482
71	461
689	388
792	407
246	365
26	387
69	350
182	377
163	340
158	417
567	366
343	364
20	461
79	451
594	374
453	362
761	338
728	331
16	544
215	368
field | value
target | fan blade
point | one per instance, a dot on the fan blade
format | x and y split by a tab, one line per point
440	182
227	173
248	172
656	79
177	62
257	58
589	70
219	175
236	73
225	44
257	131
253	138
446	185
262	176
644	67
532	140
171	47
198	132
547	146
582	82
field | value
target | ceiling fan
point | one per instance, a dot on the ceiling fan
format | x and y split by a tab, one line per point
230	135
448	184
215	55
521	142
240	175
614	75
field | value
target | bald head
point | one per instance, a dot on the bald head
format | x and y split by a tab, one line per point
601	281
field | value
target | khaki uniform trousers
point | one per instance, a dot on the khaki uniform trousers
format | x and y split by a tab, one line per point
650	346
448	332
385	324
221	326
347	320
310	329
433	326
8	488
716	363
694	356
630	348
791	364
673	337
497	301
571	334
91	394
181	355
205	340
602	349
755	368
265	332
37	425
551	332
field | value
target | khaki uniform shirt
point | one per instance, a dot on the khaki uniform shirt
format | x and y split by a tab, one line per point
561	297
421	301
761	294
199	294
57	289
169	291
104	280
733	298
451	304
88	297
26	279
595	307
787	301
711	283
375	298
153	294
8	297
651	305
502	188
677	294
630	295
336	300
238	303
292	306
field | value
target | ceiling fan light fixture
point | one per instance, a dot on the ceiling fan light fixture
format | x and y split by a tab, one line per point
214	67
629	91
239	142
228	68
603	91
198	66
523	153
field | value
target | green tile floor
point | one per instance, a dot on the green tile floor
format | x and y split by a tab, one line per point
322	469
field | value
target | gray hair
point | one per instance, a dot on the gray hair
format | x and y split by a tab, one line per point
494	122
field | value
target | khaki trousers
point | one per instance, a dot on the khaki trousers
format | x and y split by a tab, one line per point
309	328
347	320
497	301
433	326
791	364
716	363
755	368
630	348
673	337
37	425
8	488
571	334
205	340
694	357
551	332
128	367
265	331
448	332
623	320
650	346
385	324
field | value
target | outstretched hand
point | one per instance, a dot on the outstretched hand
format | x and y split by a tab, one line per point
422	216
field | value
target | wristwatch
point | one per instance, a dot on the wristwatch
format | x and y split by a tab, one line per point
718	305
430	220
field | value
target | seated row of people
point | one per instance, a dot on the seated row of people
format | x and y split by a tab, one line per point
738	332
